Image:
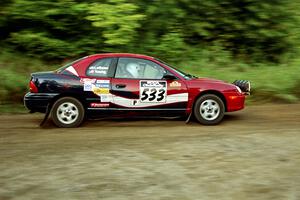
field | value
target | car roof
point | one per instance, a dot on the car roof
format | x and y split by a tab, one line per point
122	55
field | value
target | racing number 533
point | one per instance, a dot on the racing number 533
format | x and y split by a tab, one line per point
153	94
153	91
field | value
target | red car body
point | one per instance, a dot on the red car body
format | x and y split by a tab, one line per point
233	99
125	93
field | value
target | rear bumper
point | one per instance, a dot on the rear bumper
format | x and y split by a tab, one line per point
37	102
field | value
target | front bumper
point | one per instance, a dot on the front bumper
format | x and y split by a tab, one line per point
37	102
235	102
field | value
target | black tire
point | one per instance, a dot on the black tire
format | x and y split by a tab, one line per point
71	117
208	115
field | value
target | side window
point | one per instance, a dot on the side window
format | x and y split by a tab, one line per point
135	68
99	68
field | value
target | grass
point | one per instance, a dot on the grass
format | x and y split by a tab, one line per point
270	83
13	109
15	70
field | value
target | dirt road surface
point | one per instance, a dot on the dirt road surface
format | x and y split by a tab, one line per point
253	154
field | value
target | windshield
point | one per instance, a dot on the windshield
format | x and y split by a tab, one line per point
181	73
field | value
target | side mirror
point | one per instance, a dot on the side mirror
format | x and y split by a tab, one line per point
169	77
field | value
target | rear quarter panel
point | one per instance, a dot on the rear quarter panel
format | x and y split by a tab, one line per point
62	85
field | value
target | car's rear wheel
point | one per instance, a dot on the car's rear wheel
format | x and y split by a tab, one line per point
209	109
67	112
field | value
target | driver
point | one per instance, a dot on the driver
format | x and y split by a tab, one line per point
133	69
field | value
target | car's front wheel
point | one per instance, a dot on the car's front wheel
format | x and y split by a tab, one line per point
67	112
209	109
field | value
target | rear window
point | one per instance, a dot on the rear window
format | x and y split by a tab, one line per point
99	68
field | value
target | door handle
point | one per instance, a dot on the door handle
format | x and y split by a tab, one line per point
119	86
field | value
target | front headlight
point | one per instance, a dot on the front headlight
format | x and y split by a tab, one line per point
238	89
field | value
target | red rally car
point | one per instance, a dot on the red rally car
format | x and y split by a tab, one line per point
130	85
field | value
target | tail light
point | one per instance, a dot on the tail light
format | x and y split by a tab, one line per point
33	88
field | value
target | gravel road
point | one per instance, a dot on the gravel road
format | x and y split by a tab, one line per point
253	154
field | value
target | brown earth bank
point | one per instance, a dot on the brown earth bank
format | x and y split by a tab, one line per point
253	154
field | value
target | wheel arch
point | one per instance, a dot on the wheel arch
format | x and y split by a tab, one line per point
67	94
215	92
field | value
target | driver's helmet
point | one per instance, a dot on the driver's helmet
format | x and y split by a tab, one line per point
132	68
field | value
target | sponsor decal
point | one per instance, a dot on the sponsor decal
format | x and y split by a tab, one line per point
87	80
103	81
87	87
87	84
175	84
102	85
99	67
99	105
155	84
153	91
106	97
99	70
96	86
99	91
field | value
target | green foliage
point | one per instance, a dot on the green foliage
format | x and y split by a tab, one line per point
248	30
15	70
117	19
171	46
41	44
12	86
49	29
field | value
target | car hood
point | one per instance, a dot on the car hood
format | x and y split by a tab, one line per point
210	84
207	80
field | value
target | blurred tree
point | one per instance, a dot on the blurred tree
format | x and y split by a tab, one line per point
51	29
161	31
3	20
250	30
118	21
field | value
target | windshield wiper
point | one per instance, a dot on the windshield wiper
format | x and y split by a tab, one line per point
190	76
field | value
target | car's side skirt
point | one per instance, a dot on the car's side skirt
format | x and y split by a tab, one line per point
140	109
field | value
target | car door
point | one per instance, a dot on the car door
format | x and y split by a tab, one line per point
97	85
139	86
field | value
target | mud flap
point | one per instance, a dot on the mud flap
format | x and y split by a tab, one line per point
48	109
189	118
